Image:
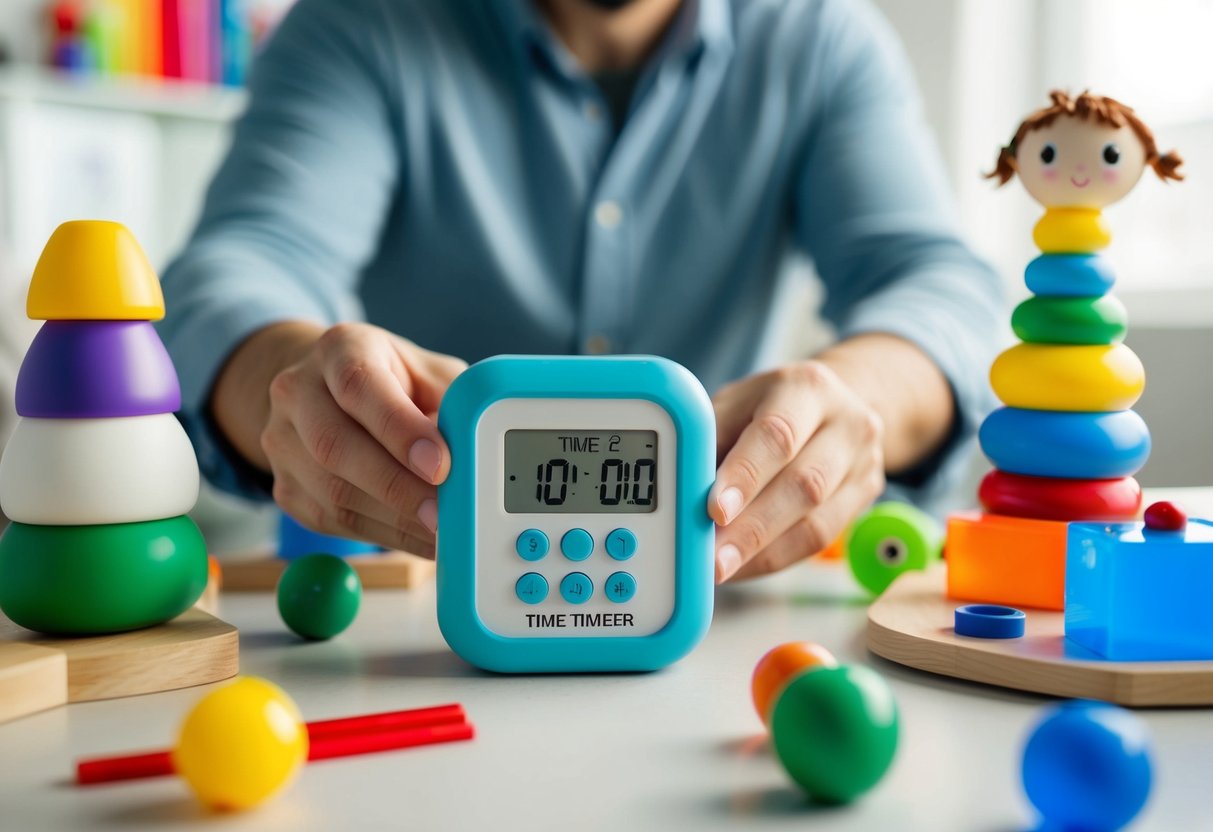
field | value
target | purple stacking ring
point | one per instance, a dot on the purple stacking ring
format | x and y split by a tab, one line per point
96	370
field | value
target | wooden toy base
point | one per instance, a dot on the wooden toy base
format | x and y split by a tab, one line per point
911	624
39	672
390	570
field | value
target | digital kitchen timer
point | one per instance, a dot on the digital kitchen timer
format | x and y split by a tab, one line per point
573	531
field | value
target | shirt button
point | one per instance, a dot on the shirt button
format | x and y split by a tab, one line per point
592	111
608	214
598	345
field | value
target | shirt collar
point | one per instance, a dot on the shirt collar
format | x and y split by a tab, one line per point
700	25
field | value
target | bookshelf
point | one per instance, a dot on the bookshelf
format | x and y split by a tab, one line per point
139	150
157	97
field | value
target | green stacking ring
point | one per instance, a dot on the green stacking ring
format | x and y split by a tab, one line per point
1057	320
76	580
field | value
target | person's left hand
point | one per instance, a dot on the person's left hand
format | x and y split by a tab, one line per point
802	456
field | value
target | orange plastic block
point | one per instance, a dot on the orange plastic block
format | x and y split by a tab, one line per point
1007	560
92	270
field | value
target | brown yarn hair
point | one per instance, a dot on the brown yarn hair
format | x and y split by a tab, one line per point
1086	106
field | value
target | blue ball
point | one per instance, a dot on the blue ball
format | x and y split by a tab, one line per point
1087	766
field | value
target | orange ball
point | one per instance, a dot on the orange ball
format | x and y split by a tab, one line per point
782	664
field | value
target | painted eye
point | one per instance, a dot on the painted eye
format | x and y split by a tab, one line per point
1111	155
1048	154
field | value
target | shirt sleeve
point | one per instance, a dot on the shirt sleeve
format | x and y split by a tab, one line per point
293	214
874	212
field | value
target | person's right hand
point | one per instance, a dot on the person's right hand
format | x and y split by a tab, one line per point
352	438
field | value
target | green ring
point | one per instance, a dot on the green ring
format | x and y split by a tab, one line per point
78	580
891	538
1058	320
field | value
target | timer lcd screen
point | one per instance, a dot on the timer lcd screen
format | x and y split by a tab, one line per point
580	471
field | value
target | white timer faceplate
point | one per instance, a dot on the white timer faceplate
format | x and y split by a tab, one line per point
498	565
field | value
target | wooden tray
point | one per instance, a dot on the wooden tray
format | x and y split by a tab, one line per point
39	672
911	624
390	570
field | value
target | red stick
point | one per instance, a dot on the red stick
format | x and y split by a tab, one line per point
416	718
371	732
347	745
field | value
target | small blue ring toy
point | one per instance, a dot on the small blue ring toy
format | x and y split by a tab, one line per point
989	621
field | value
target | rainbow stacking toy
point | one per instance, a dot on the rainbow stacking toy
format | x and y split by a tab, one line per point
1066	444
98	474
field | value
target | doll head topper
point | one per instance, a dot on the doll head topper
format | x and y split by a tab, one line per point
1082	152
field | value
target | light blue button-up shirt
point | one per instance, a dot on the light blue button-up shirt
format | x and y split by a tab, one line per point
445	169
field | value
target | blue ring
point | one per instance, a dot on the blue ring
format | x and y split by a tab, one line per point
1080	446
989	621
1069	275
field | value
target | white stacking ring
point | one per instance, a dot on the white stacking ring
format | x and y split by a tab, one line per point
75	472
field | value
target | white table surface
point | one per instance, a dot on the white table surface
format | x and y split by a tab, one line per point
676	749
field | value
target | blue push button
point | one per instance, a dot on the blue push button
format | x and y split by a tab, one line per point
620	587
576	588
621	544
531	588
577	544
531	545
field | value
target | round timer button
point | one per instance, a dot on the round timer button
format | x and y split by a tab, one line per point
531	588
531	545
620	587
577	544
621	544
576	587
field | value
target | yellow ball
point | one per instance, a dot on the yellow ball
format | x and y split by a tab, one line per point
1063	377
241	744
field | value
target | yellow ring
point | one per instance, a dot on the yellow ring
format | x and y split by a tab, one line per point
1073	378
92	270
1071	231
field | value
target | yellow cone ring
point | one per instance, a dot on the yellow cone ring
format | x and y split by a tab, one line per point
94	271
1071	231
1072	378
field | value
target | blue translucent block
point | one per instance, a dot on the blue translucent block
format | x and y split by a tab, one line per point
1051	443
1137	594
1069	275
295	541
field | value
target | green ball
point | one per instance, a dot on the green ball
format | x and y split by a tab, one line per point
319	595
1053	320
892	538
87	580
835	731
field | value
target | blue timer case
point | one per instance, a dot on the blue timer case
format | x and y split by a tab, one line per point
663	382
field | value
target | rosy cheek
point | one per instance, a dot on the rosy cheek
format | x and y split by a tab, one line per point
1110	176
1049	174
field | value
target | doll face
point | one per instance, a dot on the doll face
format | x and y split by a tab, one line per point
1079	164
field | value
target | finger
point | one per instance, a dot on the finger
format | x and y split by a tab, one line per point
808	482
369	381
781	424
301	505
814	532
734	405
432	374
342	447
333	490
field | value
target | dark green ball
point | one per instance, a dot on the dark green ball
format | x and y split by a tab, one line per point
319	595
835	731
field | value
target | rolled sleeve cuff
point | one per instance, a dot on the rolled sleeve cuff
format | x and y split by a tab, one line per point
201	341
958	331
